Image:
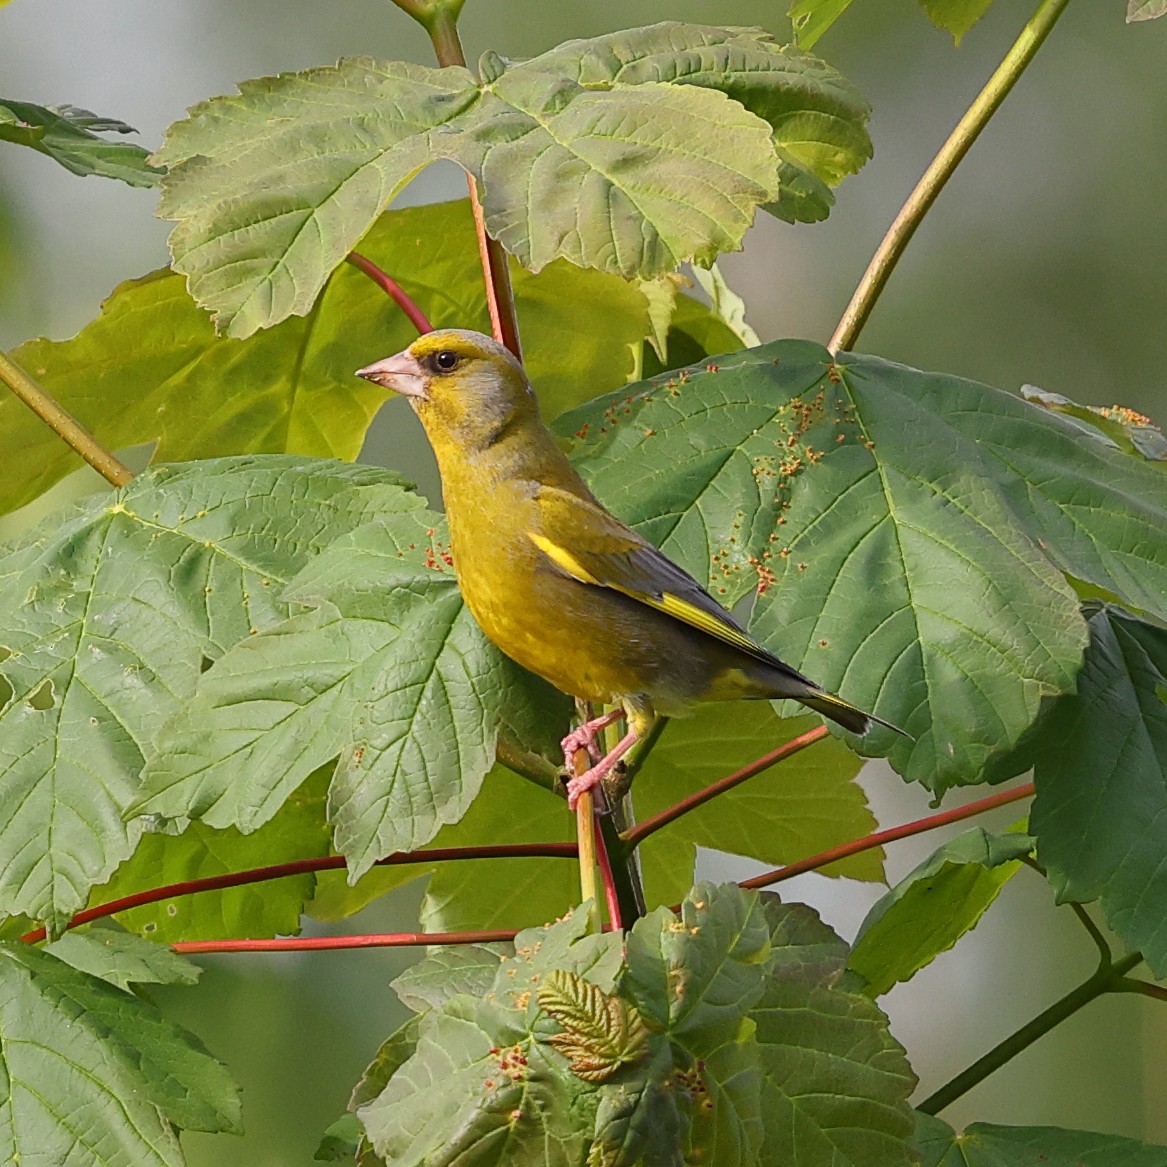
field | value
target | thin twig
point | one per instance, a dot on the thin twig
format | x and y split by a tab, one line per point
325	943
1134	985
442	26
391	287
1094	931
938	173
1104	980
918	827
303	867
642	830
63	423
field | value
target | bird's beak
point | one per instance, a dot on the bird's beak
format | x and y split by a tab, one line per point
400	372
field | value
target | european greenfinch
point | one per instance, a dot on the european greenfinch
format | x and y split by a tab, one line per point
560	584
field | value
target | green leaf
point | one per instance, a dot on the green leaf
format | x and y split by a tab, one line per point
629	153
479	1087
75	1045
1130	431
806	804
779	472
955	16
523	892
721	943
388	670
811	18
340	1141
985	1144
600	1032
72	137
727	305
291	388
446	971
836	1082
929	910
123	959
1100	814
109	611
299	830
1145	10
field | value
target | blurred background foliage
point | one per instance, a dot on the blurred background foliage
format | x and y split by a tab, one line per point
1042	263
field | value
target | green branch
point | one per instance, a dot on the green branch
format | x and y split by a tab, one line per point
63	424
938	173
1109	977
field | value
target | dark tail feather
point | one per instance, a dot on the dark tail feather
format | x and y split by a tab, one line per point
846	714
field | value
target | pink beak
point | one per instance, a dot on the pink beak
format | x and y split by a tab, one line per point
400	372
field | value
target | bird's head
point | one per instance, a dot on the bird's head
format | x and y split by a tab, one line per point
462	384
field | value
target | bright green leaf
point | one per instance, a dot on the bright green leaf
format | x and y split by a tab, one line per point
1101	805
836	1082
73	1046
811	18
955	16
727	305
985	1144
109	612
72	137
929	910
779	472
291	388
629	153
802	806
123	959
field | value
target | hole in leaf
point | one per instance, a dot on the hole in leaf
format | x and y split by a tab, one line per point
43	697
205	664
6	693
5	652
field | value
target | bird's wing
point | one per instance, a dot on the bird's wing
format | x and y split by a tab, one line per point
592	546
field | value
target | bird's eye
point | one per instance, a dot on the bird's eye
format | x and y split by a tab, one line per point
446	360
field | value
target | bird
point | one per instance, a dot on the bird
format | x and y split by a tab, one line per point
559	583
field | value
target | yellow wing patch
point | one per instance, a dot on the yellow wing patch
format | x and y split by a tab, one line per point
667	602
562	558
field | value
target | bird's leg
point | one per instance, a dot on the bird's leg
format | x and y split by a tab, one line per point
602	768
584	738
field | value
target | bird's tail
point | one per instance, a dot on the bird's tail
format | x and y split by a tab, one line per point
845	714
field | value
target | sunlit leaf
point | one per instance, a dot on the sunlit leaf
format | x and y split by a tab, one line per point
107	615
811	18
1145	10
934	906
955	16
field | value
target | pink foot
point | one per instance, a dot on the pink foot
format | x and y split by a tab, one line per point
584	782
584	738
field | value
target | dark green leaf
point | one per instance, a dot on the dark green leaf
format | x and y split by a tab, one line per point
123	959
986	1145
1100	814
72	137
929	910
807	803
339	1143
630	153
893	547
74	1044
391	1056
107	614
955	16
836	1082
299	830
1130	431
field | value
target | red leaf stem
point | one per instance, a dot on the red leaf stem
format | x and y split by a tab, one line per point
325	943
615	923
301	867
390	286
641	831
918	827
